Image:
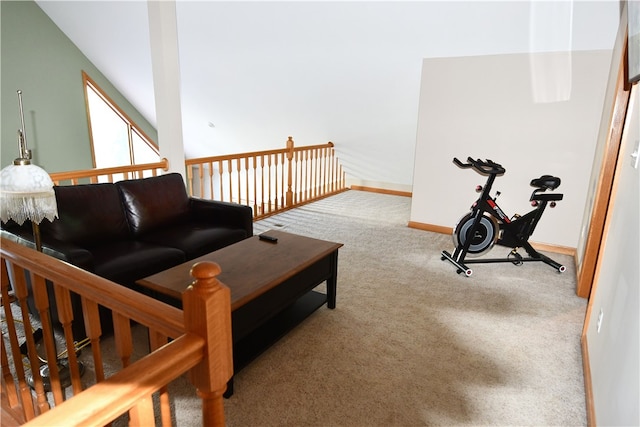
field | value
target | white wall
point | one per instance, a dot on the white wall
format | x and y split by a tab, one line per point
486	107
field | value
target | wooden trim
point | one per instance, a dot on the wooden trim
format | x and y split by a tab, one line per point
588	385
430	227
595	233
558	249
86	80
591	417
382	191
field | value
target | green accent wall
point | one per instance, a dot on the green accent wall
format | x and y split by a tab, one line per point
39	59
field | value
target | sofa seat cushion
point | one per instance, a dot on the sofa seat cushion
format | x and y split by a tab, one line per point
127	261
196	238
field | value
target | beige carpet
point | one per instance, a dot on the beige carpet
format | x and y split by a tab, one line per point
410	342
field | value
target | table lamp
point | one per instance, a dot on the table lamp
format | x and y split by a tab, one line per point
26	190
26	193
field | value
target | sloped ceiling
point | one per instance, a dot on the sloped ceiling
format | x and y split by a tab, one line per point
253	73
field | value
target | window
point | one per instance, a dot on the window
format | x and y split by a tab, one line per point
115	139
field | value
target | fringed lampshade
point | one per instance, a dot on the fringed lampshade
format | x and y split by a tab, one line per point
26	193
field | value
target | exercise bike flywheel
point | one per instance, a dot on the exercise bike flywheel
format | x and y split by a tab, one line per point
485	236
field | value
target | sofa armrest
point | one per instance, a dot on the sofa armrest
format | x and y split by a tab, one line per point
223	213
64	251
69	252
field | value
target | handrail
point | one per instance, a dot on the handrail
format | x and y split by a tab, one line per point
201	348
109	174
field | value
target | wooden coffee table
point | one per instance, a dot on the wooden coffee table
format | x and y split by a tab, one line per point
272	286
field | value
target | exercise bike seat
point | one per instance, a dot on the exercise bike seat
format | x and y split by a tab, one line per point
546	182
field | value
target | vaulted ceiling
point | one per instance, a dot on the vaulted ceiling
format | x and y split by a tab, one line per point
253	73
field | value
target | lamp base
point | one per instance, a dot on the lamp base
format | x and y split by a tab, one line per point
63	372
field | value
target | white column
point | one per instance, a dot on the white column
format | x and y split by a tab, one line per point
165	60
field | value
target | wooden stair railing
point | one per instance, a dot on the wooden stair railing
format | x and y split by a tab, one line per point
268	181
200	344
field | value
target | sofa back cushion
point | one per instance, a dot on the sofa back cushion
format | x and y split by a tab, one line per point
150	203
88	214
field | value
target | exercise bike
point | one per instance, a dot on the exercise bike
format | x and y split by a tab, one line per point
487	224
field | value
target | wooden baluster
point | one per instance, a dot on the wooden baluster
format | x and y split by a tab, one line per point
7	378
289	197
295	184
207	312
220	173
325	169
319	152
333	169
65	314
246	180
20	289
262	184
330	170
201	186
320	170
276	179
301	185
142	415
298	182
123	340
157	340
305	184
41	298
284	181
316	186
22	395
93	328
210	186
269	202
230	169
310	171
255	186
239	171
312	174
189	180
9	392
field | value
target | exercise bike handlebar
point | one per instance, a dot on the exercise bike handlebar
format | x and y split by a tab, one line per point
486	167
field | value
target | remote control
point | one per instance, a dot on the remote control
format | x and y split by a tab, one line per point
268	238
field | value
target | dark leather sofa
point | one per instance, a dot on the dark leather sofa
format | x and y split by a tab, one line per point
131	229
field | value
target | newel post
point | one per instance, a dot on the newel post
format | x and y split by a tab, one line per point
207	313
289	195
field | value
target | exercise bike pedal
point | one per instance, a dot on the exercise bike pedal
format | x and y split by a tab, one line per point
518	260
